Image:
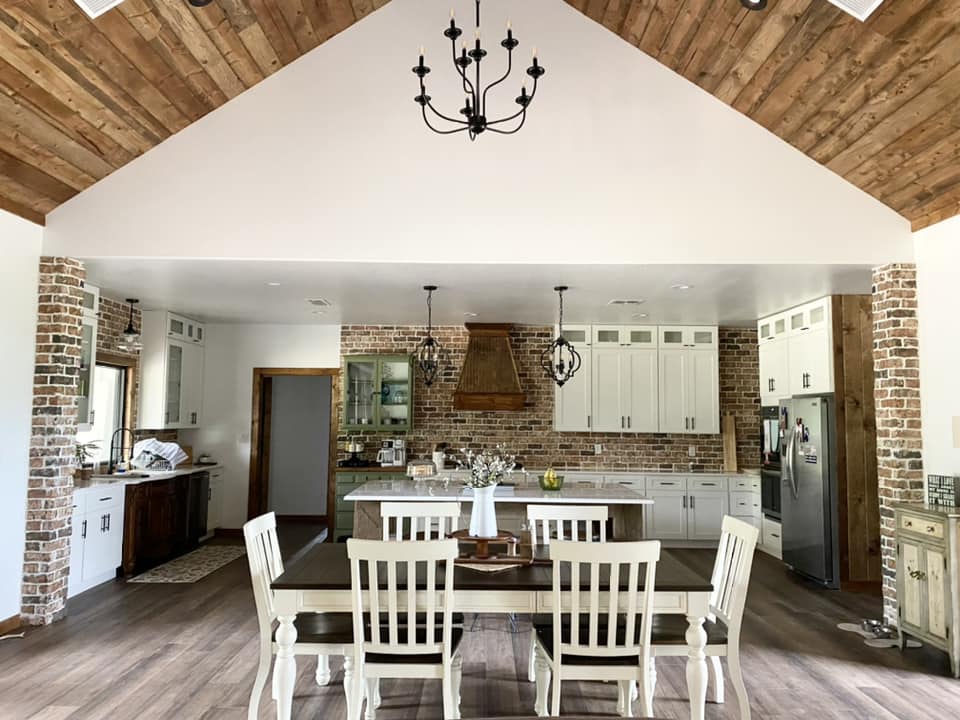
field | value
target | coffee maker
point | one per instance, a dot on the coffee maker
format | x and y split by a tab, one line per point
393	453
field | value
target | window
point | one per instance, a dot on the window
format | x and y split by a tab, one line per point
109	392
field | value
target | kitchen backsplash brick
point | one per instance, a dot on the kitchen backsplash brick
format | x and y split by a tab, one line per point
897	398
529	433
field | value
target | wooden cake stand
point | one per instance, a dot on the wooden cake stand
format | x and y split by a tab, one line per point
482	552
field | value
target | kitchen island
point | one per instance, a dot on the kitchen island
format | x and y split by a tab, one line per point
626	506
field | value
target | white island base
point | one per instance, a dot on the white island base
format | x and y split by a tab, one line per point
626	507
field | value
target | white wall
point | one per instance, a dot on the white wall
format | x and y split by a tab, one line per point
299	445
20	256
937	251
231	354
621	161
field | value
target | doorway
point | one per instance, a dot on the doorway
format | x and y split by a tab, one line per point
293	445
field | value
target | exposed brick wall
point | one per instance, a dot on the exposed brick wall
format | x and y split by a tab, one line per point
53	434
897	399
111	322
529	433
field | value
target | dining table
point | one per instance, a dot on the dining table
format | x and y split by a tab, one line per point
318	581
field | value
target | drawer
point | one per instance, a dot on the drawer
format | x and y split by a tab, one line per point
344	523
655	482
745	484
344	489
770	531
927	527
744	503
100	498
718	484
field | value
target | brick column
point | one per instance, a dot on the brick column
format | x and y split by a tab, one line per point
897	397
46	564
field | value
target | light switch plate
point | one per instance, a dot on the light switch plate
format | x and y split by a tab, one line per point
598	449
692	451
956	432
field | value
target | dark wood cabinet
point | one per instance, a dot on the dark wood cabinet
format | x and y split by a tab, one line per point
159	522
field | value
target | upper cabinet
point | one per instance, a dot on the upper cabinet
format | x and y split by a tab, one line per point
171	371
378	392
623	386
796	352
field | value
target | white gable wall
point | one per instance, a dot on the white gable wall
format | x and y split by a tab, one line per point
20	257
621	161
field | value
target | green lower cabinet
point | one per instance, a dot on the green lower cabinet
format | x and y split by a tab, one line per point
346	483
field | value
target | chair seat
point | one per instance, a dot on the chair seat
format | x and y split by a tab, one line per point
456	636
665	630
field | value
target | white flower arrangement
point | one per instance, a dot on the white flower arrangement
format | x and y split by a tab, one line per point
486	467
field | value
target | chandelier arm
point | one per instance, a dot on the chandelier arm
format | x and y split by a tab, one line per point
523	119
448	119
497	82
519	112
467	85
439	132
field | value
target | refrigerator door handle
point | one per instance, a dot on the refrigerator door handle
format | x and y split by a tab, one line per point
792	455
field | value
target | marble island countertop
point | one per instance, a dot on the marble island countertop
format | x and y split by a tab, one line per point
135	477
437	490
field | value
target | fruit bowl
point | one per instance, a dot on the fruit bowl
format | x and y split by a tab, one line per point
550	483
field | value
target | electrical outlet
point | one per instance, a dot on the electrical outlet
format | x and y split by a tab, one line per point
692	451
598	449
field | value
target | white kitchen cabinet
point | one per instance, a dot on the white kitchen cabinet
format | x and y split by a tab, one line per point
774	371
625	390
772	328
702	337
689	390
96	541
88	363
90	300
572	407
666	519
811	361
705	514
641	336
770	538
171	367
642	388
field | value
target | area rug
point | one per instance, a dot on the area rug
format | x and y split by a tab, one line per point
193	566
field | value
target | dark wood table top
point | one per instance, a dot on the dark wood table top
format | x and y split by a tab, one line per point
326	567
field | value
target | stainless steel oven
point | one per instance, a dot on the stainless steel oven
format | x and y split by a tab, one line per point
772	422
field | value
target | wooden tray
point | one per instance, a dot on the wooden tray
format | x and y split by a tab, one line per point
483	555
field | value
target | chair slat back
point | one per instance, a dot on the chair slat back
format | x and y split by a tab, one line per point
567	522
433	519
623	572
731	571
399	562
263	554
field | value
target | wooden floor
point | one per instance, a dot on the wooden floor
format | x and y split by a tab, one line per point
143	651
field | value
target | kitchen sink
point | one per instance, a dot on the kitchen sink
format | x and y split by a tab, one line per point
121	476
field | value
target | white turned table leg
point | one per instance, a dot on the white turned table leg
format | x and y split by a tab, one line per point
696	666
348	686
543	684
285	666
323	670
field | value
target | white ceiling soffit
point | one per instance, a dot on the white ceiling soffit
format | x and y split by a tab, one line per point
391	293
329	159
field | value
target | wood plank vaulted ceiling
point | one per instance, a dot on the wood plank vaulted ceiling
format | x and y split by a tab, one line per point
876	102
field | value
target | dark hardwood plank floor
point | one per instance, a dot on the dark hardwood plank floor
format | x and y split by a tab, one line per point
143	651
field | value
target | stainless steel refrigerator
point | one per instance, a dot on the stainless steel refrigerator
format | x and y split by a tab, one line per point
809	501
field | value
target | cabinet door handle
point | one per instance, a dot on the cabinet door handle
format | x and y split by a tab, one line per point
773	384
108	522
693	423
918	575
83	530
589	424
623	422
693	502
686	423
684	502
628	422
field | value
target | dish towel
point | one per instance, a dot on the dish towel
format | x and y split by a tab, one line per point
169	451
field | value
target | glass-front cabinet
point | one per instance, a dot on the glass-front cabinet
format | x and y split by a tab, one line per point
88	361
378	392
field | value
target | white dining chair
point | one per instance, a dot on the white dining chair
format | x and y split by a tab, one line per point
731	580
319	634
602	633
432	519
563	522
401	648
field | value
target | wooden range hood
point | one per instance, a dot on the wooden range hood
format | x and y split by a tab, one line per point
489	378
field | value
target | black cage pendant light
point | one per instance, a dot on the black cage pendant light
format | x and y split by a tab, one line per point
560	359
130	340
474	118
429	350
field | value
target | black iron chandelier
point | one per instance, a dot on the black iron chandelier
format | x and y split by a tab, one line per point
429	349
130	340
560	359
474	110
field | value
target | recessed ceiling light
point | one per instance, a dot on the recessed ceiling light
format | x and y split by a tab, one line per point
754	4
681	286
319	302
639	316
319	312
273	284
469	314
638	301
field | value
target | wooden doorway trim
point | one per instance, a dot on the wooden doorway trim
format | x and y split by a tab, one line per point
259	485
